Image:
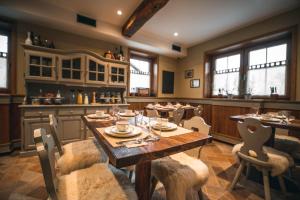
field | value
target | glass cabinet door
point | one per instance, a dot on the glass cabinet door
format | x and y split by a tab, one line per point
40	66
71	69
117	74
96	71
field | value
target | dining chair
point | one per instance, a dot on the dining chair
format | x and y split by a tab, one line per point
152	113
95	182
265	159
76	155
179	174
198	110
177	116
197	123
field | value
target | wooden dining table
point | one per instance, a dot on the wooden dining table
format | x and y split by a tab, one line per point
293	126
142	156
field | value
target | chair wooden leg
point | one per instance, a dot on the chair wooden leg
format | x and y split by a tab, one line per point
237	175
199	152
200	194
154	182
282	184
266	184
248	170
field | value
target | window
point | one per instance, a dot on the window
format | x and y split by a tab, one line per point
3	61
226	74
267	69
139	74
260	66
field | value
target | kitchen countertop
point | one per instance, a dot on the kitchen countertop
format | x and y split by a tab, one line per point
71	105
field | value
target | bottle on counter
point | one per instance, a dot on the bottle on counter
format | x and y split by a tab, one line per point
86	99
79	97
73	98
93	97
58	94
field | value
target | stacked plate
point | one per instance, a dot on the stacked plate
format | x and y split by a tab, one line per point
94	116
124	114
164	127
132	131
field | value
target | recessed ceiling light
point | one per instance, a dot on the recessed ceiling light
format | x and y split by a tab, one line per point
119	12
175	34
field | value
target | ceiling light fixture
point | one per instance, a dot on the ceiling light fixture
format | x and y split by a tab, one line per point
119	12
175	34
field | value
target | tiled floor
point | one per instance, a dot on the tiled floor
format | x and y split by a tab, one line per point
21	178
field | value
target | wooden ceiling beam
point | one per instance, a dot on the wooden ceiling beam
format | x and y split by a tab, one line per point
141	15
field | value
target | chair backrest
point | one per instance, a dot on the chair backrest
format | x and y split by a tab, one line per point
198	110
178	115
254	136
54	132
197	123
152	113
45	148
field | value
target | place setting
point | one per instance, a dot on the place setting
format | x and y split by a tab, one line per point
125	134
164	128
100	115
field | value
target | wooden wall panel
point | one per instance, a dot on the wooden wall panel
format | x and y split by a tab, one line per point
220	122
4	128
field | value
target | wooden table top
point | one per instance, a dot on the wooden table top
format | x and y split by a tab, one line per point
123	156
292	125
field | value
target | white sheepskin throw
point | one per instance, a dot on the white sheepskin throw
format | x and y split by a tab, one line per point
288	144
79	155
279	161
96	182
180	173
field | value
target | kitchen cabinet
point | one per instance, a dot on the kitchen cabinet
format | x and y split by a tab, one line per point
29	125
40	66
117	74
71	68
71	128
96	72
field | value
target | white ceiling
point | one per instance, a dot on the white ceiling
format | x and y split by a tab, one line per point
195	20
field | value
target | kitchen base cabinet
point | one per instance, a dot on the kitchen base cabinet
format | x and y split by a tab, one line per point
29	125
71	128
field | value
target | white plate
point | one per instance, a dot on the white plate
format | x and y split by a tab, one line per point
270	119
127	115
114	129
135	132
169	127
94	116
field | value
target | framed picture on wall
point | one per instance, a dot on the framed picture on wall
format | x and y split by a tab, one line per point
195	83
189	73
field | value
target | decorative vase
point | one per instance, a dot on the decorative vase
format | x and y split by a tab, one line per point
28	39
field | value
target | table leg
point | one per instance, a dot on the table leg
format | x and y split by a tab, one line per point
271	141
142	180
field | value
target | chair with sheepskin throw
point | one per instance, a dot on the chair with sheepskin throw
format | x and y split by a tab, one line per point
252	153
76	155
179	173
197	123
96	182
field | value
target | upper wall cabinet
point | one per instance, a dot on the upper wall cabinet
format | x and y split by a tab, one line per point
40	66
96	71
117	74
71	68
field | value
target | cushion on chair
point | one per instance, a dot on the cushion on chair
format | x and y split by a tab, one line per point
288	144
279	161
96	182
180	173
79	155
